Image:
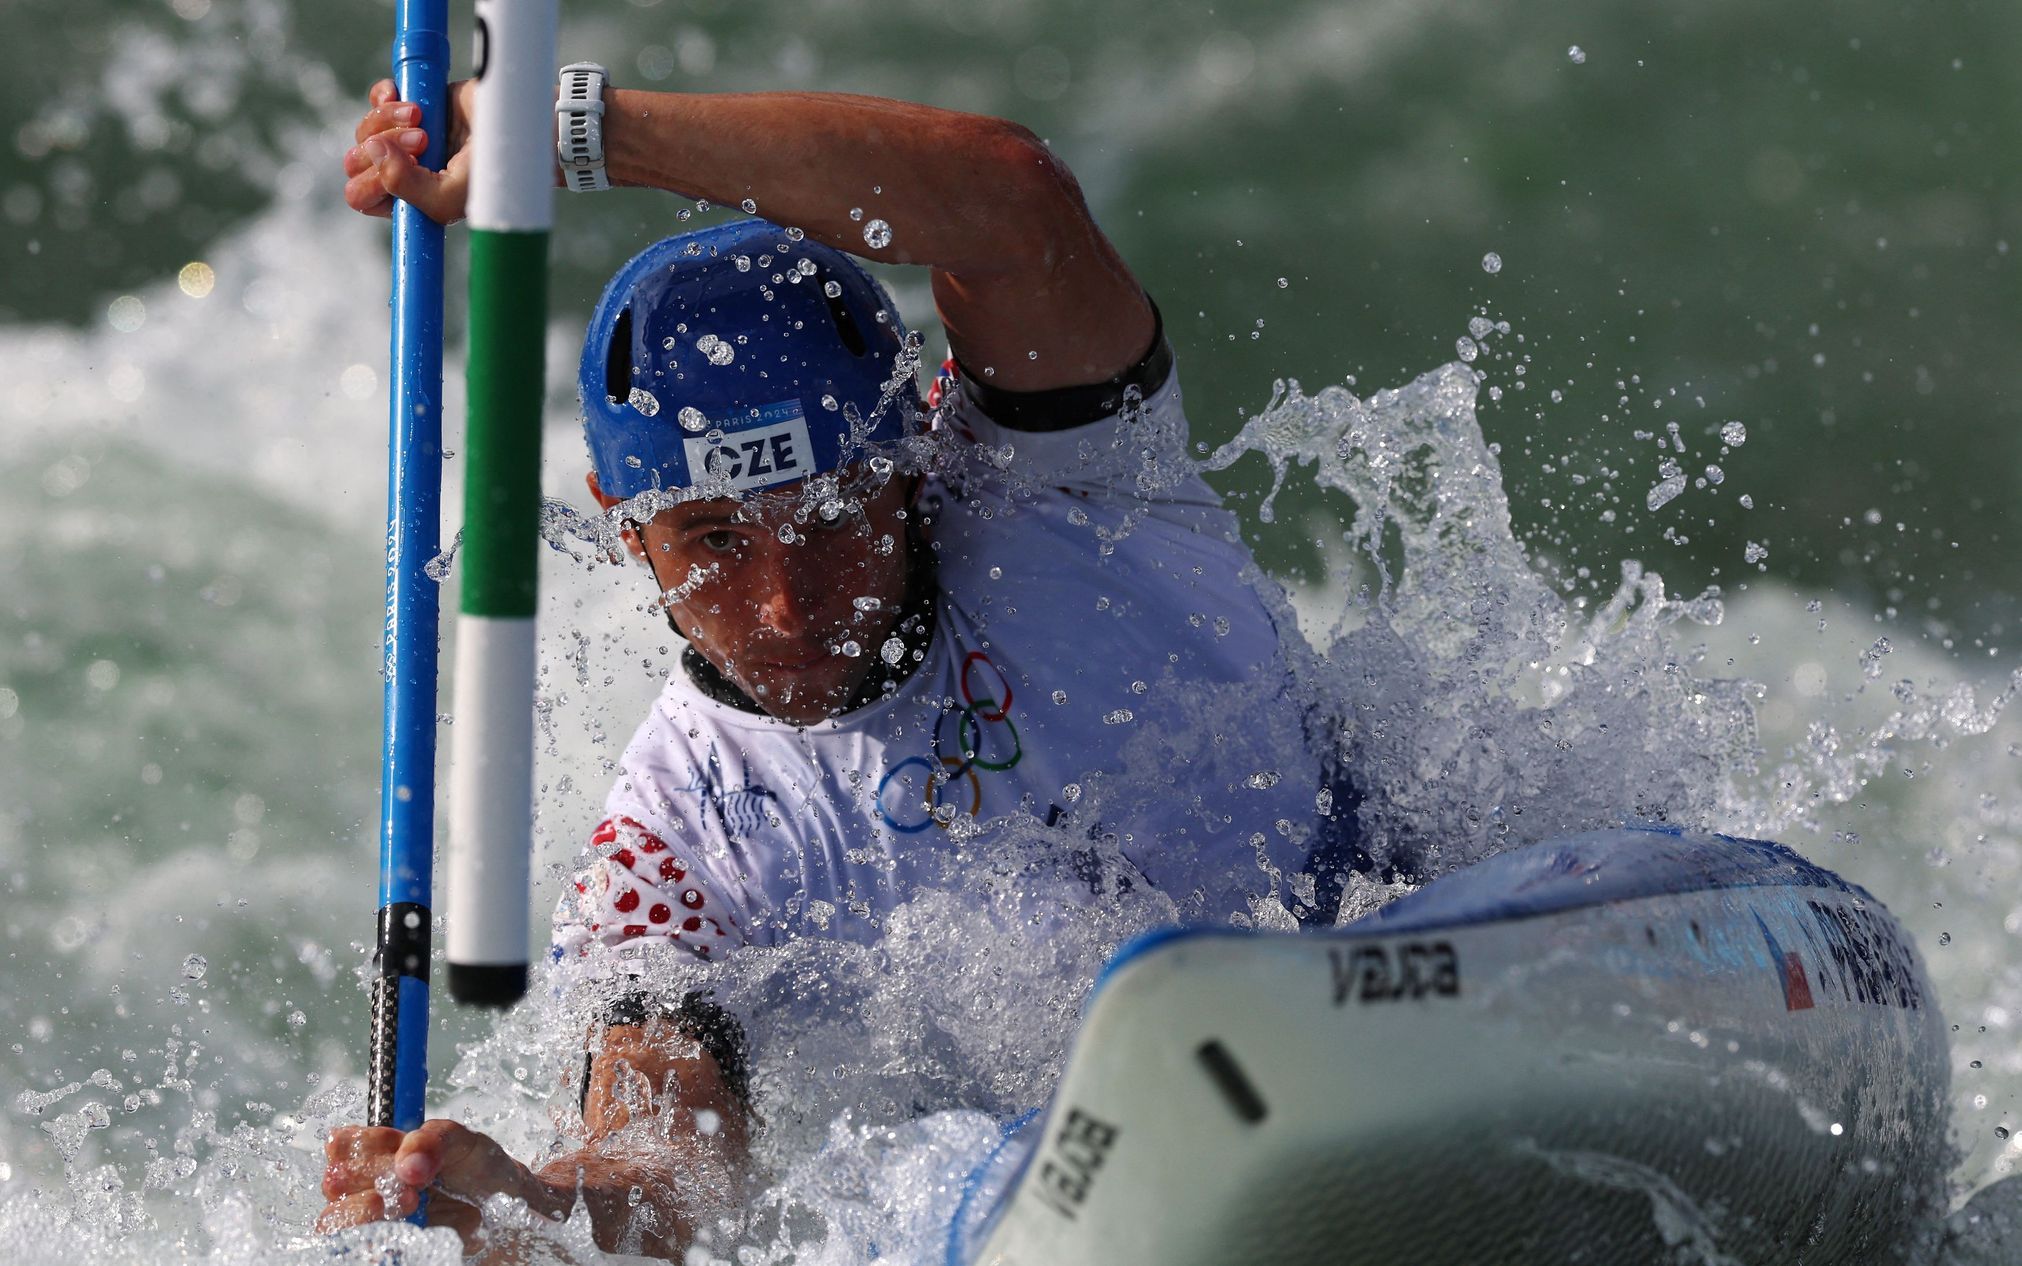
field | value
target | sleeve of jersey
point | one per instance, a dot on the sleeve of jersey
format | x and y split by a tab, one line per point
635	889
1134	446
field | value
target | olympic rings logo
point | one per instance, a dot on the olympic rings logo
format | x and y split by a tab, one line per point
915	793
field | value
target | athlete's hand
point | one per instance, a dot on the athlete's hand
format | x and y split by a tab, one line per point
376	1173
383	165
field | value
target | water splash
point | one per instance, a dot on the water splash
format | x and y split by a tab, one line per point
1485	708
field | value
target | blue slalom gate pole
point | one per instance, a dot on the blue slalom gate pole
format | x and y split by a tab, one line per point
398	1078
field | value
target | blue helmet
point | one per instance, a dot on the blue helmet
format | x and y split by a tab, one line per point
738	358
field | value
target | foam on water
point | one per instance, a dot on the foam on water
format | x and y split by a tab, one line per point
178	621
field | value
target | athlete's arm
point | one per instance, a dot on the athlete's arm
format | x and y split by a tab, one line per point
661	1120
1032	294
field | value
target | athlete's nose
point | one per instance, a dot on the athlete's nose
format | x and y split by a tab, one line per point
784	592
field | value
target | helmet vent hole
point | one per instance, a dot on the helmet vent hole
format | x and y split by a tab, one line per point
618	358
845	324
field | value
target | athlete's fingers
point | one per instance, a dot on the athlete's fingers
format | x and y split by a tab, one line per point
358	159
355	1209
382	92
364	193
386	114
463	1161
459	1216
438	195
358	1157
348	1142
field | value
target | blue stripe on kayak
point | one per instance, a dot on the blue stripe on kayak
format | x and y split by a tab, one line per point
1628	863
964	1240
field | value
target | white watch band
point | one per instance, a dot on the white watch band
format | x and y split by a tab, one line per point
579	126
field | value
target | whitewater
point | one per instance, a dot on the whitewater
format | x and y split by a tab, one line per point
188	698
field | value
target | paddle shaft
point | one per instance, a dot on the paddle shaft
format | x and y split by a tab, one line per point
398	1078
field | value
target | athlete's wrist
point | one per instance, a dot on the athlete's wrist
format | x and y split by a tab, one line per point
629	115
643	141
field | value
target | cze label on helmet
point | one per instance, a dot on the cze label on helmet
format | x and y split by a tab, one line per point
772	449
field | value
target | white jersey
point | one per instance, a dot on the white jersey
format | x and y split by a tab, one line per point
1099	663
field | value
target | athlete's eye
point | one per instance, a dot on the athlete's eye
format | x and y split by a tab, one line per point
721	541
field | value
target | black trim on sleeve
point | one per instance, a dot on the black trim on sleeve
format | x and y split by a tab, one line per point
1064	408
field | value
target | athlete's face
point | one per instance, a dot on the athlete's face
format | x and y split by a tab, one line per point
772	595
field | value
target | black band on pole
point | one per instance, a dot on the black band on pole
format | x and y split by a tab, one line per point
404	940
488	984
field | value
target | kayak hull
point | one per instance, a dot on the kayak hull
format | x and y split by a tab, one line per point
1619	1047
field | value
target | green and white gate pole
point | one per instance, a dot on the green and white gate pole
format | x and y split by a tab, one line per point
491	774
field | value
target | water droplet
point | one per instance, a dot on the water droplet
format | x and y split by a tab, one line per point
1755	553
850	648
1059	696
1480	327
750	206
1733	434
644	401
297	1019
668	344
743	262
1467	348
829	403
1945	938
1119	717
1715	475
194	967
1491	263
794	234
1747	502
2000	1131
833	289
877	235
718	351
692	419
1665	490
1262	780
892	651
856	213
1283	283
1576	55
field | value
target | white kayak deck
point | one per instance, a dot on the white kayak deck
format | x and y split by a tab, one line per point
1637	1045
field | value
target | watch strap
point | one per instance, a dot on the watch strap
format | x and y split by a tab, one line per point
579	126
